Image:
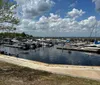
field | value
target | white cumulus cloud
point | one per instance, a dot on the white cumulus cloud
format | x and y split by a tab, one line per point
54	23
75	13
33	8
30	9
97	4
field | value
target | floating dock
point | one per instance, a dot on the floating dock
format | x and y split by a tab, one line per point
13	46
85	49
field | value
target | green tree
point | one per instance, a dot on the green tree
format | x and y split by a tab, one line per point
23	34
7	15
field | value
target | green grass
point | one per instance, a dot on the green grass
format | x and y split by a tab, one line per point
16	75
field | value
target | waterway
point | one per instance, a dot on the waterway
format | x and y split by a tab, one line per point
55	56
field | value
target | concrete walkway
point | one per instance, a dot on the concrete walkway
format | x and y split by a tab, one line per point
91	72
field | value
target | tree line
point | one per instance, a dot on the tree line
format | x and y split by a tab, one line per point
13	35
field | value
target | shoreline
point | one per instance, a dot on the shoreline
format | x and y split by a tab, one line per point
90	72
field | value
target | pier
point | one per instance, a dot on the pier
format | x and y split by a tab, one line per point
90	50
13	46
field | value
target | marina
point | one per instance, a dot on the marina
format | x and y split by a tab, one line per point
53	51
49	42
53	55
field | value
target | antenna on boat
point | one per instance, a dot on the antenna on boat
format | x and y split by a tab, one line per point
94	29
95	32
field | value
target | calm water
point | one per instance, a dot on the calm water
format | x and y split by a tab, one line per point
55	56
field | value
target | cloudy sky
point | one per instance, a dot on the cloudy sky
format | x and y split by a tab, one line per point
59	17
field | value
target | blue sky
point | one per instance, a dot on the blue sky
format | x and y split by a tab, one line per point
86	5
58	17
63	6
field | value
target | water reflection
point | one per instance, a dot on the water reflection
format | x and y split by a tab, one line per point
54	56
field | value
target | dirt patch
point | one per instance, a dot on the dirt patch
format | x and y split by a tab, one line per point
17	75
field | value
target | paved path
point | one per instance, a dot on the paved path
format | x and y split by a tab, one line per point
90	72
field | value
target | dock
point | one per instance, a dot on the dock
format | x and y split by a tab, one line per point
85	49
13	46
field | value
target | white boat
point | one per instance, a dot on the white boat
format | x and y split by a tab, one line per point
95	44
